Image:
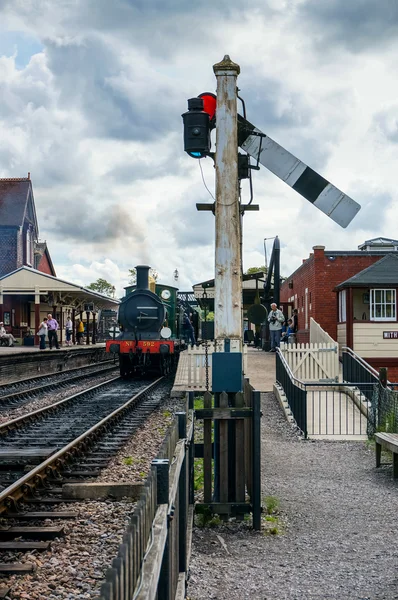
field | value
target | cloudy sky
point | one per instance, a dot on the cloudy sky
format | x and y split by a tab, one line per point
92	93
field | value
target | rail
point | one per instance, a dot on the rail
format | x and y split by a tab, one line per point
35	477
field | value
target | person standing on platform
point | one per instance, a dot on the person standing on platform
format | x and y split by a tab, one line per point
80	332
68	331
189	330
43	329
8	336
276	319
52	326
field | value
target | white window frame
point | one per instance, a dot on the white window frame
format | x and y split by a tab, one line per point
383	304
343	306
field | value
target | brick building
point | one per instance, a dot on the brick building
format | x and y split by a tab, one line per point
19	245
312	287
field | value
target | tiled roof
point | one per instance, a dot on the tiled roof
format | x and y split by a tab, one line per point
383	272
40	248
14	195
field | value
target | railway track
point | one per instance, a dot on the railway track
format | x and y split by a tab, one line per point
18	393
81	435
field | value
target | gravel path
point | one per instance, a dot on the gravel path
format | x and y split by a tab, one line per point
339	538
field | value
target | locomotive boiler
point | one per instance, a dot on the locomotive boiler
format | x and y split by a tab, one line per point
144	343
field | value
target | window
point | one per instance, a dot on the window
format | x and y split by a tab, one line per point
28	248
382	305
343	306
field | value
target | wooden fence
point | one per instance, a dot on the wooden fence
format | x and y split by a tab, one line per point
319	335
231	464
313	362
195	366
152	560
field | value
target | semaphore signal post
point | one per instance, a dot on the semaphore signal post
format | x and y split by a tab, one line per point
236	415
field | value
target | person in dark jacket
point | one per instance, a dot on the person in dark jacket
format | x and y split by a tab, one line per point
188	329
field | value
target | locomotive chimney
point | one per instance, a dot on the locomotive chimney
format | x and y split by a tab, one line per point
142	277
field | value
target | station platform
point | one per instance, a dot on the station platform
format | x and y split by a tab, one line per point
20	362
18	349
259	367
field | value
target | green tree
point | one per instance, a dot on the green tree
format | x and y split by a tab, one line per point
209	316
133	275
102	286
251	270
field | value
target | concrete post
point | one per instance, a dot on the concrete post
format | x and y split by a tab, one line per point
228	266
37	315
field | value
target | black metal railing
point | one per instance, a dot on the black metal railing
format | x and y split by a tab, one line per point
327	409
295	391
339	410
383	401
357	370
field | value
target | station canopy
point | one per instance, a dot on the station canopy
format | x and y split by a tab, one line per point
26	281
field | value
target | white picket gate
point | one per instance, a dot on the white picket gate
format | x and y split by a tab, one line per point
191	371
313	362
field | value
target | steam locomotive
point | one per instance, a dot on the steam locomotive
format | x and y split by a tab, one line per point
144	343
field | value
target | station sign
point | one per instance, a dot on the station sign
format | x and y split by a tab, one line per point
390	335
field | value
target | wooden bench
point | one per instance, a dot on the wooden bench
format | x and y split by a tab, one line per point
390	442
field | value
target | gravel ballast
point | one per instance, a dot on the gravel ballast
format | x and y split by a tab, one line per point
51	397
339	537
75	567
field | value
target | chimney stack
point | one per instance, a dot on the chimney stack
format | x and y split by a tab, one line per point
142	277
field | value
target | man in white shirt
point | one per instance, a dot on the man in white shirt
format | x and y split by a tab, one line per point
276	319
8	336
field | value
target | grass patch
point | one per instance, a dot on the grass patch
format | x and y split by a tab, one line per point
271	504
198	478
389	423
198	403
129	461
206	518
271	520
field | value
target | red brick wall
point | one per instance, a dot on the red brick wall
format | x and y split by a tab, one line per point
390	363
393	374
321	275
44	265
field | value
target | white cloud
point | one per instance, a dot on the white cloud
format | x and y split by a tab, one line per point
95	117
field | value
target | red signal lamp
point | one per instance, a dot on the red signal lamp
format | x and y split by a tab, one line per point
209	104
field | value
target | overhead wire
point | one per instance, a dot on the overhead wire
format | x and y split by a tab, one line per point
204	182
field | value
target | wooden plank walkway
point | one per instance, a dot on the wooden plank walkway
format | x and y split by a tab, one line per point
259	366
333	415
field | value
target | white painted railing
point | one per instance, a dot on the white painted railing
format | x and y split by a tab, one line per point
318	335
191	372
312	362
